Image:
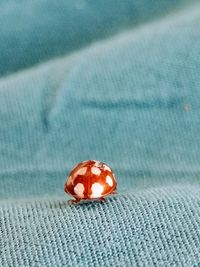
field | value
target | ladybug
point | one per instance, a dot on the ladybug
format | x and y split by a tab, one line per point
90	180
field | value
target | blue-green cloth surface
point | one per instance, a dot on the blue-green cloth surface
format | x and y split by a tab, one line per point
116	81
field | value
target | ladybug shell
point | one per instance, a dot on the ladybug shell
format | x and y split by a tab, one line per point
90	180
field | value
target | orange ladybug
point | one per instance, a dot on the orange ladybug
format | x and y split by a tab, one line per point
90	180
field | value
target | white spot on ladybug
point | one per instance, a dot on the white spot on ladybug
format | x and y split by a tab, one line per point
106	168
79	189
84	161
97	163
97	190
109	180
95	170
81	171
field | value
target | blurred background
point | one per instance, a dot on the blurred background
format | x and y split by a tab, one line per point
115	81
36	31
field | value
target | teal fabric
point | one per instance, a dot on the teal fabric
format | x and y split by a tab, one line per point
33	31
116	81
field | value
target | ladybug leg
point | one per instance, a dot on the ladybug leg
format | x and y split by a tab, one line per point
102	199
114	193
74	201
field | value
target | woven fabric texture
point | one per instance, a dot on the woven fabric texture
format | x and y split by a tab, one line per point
116	81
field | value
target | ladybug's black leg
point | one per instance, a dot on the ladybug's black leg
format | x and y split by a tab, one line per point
114	193
73	201
102	199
